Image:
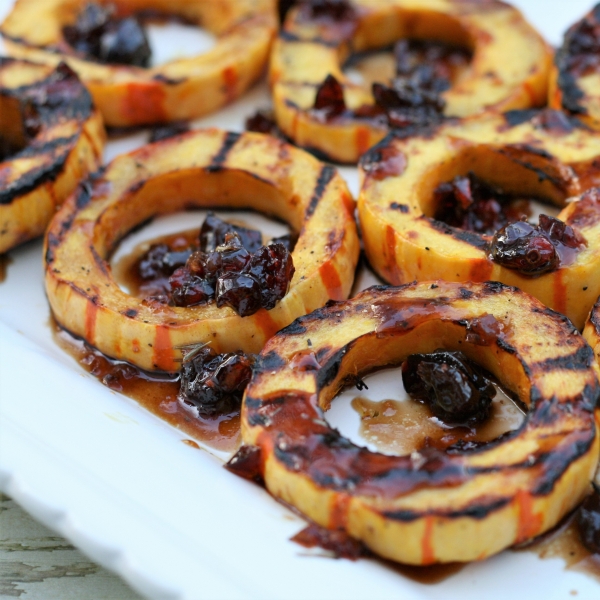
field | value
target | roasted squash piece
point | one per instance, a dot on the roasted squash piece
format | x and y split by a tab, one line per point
206	168
509	68
53	136
180	89
591	331
430	506
575	75
536	154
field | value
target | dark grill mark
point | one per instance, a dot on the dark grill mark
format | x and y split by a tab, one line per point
469	237
478	511
580	360
325	176
221	156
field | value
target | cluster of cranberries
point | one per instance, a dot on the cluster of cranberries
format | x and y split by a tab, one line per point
231	266
454	388
214	383
471	204
98	34
413	98
536	249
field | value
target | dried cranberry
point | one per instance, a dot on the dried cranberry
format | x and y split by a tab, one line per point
522	247
588	521
288	240
188	289
471	204
214	383
161	261
454	388
263	122
329	101
272	267
234	257
213	231
98	34
239	291
125	43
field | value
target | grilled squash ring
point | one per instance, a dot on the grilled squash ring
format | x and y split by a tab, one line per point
61	142
525	152
430	506
205	168
573	87
306	52
591	331
185	88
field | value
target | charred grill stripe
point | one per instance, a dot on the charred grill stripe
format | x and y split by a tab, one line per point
33	179
328	371
469	237
475	511
100	262
580	360
221	156
268	362
541	174
556	463
325	176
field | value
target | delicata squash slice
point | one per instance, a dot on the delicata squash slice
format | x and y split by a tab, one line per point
575	75
540	154
180	89
430	506
509	66
51	137
205	168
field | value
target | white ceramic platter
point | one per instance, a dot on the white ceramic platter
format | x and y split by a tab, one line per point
120	484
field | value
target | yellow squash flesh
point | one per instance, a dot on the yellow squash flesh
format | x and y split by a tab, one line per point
50	162
204	168
403	242
180	89
509	68
430	506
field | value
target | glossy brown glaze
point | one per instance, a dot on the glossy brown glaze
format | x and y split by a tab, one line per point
156	393
564	542
126	271
402	427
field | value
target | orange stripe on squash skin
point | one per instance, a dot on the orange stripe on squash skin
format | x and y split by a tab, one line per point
426	543
163	349
362	139
230	80
530	523
560	296
265	321
338	516
331	280
144	103
481	270
392	270
91	311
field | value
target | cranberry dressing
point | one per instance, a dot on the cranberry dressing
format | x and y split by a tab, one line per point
471	204
157	393
100	34
407	87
